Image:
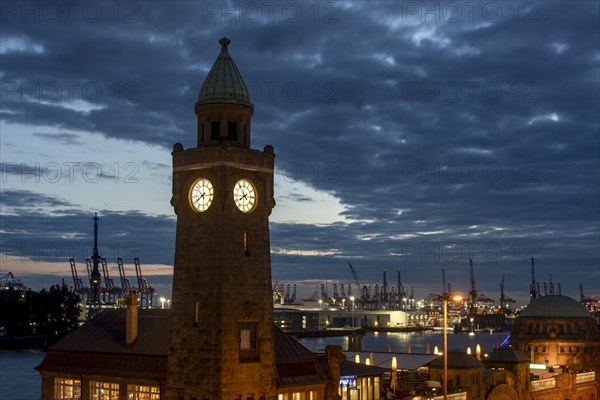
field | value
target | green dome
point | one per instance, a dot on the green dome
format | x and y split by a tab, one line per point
224	83
555	306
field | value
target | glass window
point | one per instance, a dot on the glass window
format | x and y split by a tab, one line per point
67	389
544	329
104	391
232	130
530	329
215	130
569	329
537	329
576	326
562	349
561	329
247	338
137	392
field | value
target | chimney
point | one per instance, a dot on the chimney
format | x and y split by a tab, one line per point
131	321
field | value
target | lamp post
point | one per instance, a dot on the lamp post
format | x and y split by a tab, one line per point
455	298
352	299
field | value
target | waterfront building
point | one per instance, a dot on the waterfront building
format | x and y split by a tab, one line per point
219	340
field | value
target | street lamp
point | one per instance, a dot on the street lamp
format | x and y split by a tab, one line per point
455	298
352	299
162	302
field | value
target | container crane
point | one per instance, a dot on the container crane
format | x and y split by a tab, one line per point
112	290
401	293
534	287
78	286
125	284
472	292
287	294
9	282
366	292
146	291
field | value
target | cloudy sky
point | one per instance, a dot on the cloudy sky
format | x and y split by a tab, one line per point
409	135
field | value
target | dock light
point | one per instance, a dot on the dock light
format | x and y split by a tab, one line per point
455	298
352	299
394	382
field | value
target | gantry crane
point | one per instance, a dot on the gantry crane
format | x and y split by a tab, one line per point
111	290
534	287
401	292
146	291
9	282
125	284
472	292
78	286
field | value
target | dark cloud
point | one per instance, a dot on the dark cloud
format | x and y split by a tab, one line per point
438	129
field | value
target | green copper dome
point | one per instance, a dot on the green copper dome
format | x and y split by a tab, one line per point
555	306
224	83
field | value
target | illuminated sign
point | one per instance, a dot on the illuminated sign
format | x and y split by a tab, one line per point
537	366
348	381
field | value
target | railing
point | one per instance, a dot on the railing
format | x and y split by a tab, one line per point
585	377
543	384
453	396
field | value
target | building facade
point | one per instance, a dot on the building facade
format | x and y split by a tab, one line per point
221	339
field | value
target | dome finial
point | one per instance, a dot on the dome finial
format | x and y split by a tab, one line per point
224	43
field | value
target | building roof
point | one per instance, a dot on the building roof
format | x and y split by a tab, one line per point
350	368
105	333
98	347
506	355
457	359
404	361
296	365
224	83
555	306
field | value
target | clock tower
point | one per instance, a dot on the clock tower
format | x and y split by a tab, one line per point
222	341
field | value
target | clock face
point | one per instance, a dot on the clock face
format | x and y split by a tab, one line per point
201	195
244	195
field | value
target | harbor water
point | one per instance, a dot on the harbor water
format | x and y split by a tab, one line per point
19	380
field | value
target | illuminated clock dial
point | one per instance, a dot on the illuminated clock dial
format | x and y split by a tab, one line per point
244	195
201	195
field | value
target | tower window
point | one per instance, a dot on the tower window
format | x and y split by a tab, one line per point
197	313
246	244
247	340
215	130
232	130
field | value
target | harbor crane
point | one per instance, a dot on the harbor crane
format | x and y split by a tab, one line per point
95	277
9	282
125	284
401	293
146	291
534	287
505	301
472	292
365	292
110	288
78	286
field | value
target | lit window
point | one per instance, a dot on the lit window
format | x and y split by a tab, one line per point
104	391
296	396
247	338
67	389
137	392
